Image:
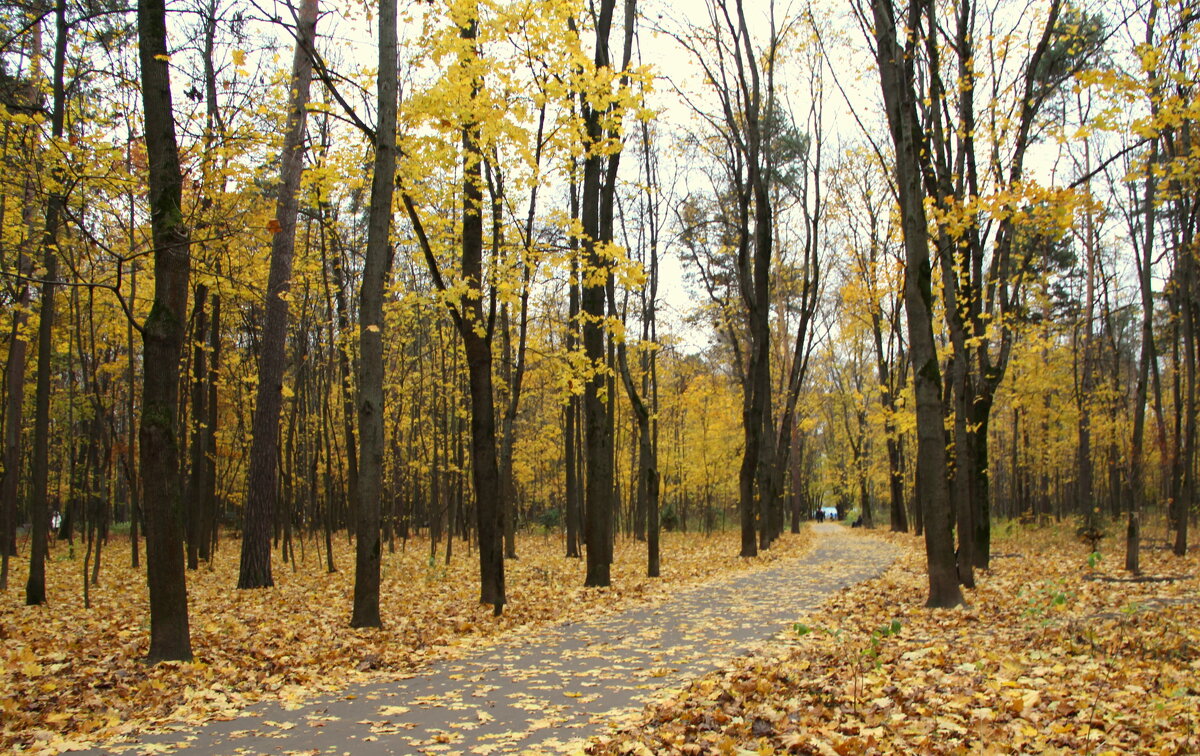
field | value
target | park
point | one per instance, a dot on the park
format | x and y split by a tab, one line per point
527	376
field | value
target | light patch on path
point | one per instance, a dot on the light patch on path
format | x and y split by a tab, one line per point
552	693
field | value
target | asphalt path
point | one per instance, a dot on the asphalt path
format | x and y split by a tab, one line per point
551	693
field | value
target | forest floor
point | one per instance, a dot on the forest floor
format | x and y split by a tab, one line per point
550	691
1059	651
72	676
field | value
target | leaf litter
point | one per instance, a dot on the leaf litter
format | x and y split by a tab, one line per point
74	677
1056	652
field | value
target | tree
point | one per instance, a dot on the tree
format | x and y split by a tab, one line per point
162	341
874	294
35	588
490	489
766	167
899	97
14	368
370	331
262	478
644	402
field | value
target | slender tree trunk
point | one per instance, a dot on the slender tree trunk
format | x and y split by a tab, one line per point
1137	484
1187	489
932	490
162	337
574	470
647	461
14	372
197	482
262	482
961	481
598	442
346	372
476	334
208	493
370	334
35	587
14	369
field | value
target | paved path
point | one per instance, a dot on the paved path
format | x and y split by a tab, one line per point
550	694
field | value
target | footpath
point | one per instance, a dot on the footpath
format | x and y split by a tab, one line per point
550	694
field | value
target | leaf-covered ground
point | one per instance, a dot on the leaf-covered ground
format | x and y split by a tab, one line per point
1057	653
547	692
73	676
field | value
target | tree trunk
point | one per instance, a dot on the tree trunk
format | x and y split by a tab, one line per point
598	487
14	372
1187	489
35	587
1136	465
197	480
370	334
899	101
162	337
960	489
208	494
262	476
573	473
647	461
490	489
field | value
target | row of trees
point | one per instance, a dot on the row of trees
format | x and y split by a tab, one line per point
965	123
418	282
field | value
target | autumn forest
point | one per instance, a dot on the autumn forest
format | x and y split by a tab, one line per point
341	337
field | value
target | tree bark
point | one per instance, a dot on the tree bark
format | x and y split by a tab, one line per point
35	586
476	334
370	334
899	101
262	478
162	338
14	369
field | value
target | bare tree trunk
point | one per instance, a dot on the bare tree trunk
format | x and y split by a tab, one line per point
370	333
162	337
262	477
35	587
14	369
197	480
898	97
